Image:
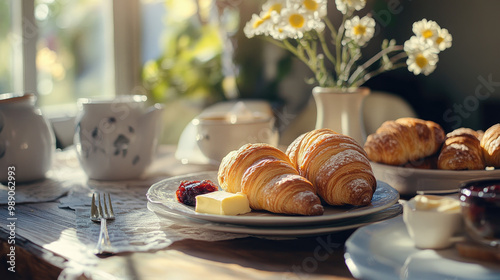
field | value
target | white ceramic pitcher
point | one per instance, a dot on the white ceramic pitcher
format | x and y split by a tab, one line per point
27	143
116	139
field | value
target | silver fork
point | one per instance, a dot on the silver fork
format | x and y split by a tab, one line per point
98	215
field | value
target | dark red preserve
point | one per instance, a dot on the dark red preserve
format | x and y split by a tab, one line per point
481	210
188	190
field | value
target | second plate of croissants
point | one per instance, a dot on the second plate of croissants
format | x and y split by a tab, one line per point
412	155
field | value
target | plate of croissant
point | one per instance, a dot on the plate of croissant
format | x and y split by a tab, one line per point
322	177
280	230
413	155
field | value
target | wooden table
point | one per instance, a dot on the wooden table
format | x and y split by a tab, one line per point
316	257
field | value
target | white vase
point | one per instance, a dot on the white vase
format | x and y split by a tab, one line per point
341	110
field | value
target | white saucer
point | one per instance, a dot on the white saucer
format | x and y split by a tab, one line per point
385	251
291	231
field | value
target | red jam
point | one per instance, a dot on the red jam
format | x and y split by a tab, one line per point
481	210
188	190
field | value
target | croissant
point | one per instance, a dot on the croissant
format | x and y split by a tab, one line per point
265	174
405	139
490	142
336	164
461	151
423	163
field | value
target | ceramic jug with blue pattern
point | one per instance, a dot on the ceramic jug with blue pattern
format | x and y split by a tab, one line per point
117	139
27	142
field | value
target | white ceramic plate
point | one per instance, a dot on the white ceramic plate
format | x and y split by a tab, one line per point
301	231
385	251
163	193
410	180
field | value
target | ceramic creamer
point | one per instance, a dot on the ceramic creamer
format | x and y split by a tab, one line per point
27	142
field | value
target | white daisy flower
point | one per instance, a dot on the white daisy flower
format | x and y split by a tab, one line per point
424	62
345	6
293	23
256	26
273	5
422	56
416	44
443	39
360	30
318	8
262	24
426	29
281	34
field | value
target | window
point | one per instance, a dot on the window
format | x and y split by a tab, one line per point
73	50
5	48
63	50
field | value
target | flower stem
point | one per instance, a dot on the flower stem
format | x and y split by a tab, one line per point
371	61
355	56
330	26
398	57
374	73
300	55
325	48
338	43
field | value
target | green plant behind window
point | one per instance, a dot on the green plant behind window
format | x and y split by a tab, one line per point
190	65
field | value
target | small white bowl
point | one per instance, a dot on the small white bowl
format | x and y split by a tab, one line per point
432	229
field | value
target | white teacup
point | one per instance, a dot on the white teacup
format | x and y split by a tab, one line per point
116	139
217	134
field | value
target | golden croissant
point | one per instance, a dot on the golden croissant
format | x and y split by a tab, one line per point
403	140
461	151
265	174
336	164
490	142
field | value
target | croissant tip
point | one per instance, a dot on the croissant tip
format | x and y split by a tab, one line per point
316	210
365	200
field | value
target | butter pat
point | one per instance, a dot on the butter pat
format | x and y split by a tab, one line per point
436	203
222	203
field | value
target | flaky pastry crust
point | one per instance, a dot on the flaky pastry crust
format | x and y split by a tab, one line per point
336	164
265	174
403	140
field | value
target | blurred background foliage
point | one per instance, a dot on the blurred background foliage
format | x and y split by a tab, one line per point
192	49
205	58
205	55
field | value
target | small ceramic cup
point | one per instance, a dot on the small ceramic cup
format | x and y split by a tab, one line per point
116	139
432	229
217	135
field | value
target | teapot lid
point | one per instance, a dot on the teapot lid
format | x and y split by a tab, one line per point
10	98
